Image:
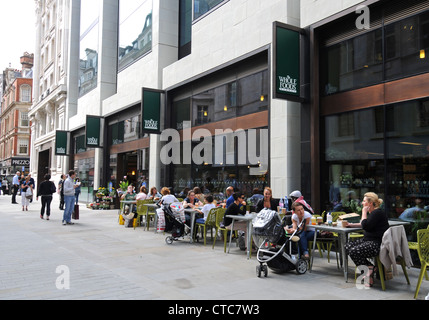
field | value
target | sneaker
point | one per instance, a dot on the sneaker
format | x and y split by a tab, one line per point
70	222
64	223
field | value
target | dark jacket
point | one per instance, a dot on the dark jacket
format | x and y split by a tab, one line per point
375	225
260	205
46	188
232	210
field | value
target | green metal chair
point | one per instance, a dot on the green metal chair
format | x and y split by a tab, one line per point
209	223
423	250
414	245
220	212
143	211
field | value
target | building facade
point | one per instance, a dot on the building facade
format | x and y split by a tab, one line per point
183	94
211	63
15	135
47	112
370	103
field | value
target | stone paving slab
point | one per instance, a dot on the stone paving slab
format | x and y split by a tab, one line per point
107	261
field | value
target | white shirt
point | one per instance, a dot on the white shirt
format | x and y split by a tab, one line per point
306	216
206	209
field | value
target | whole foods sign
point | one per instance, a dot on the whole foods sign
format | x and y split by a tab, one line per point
287	62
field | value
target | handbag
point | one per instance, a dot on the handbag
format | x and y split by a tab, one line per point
75	213
29	193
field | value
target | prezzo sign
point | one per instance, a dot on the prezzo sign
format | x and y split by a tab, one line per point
20	162
287	62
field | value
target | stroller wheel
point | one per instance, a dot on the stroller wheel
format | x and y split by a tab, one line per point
258	271
169	240
301	266
265	270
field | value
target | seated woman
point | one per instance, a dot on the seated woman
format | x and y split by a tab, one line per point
130	195
191	201
374	222
154	194
167	198
142	195
267	201
307	234
236	208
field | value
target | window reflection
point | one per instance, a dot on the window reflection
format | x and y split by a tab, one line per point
88	64
135	30
354	164
359	62
201	7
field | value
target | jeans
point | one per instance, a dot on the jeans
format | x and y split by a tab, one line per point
46	203
305	236
69	206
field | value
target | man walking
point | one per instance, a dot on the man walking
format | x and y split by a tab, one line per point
15	186
69	197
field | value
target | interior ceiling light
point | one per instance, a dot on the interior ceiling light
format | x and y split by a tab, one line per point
411	143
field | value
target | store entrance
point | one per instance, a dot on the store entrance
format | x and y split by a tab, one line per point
127	167
44	165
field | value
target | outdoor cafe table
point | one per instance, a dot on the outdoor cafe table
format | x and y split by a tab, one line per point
132	203
192	213
342	240
248	217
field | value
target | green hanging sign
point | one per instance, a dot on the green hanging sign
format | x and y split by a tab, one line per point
151	110
287	62
94	132
62	139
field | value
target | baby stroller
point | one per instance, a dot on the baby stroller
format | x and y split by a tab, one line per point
274	248
174	221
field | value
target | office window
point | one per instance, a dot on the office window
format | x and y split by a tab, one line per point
88	65
185	27
24	122
201	7
135	30
22	146
25	93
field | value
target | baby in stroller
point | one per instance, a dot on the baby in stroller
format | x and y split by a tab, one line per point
274	247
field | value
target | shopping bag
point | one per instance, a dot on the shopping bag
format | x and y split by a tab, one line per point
75	213
161	221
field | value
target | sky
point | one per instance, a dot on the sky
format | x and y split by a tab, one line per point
17	31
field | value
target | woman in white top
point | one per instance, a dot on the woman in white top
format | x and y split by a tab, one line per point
299	214
142	195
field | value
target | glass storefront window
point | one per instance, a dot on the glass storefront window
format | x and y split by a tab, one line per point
407	160
135	30
370	59
407	47
85	172
352	63
392	162
88	65
354	159
244	96
232	169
